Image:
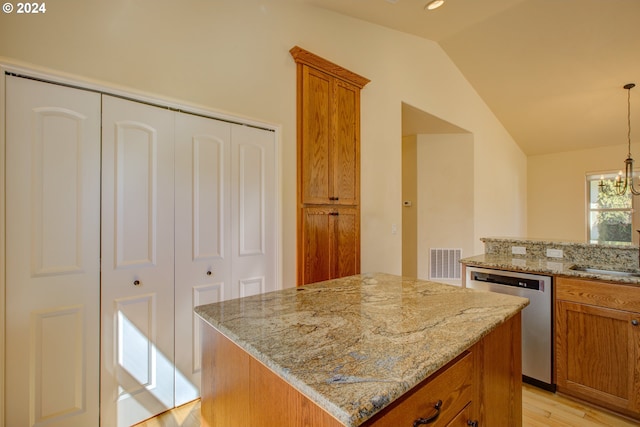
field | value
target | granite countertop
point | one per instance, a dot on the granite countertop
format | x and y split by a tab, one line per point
551	267
353	345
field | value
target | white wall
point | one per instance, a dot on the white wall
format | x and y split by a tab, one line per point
445	191
233	56
557	193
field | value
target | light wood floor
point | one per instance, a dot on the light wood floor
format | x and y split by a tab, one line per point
539	408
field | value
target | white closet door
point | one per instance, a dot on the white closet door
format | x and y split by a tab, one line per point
52	257
137	262
203	250
253	211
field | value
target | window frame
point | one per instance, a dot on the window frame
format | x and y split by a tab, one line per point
635	213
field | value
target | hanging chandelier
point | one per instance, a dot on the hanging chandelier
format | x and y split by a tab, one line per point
621	184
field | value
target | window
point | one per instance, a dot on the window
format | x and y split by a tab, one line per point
611	217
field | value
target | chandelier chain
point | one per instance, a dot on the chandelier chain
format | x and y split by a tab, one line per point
629	119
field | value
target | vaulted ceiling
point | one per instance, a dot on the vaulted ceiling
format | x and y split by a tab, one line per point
552	71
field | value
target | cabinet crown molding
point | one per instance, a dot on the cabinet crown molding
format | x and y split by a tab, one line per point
301	56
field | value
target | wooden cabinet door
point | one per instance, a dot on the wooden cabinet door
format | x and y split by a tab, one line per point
345	159
346	242
331	243
315	146
597	352
317	230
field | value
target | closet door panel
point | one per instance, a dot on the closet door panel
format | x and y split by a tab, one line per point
136	196
137	262
203	262
52	256
253	211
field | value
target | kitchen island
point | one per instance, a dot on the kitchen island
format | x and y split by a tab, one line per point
360	350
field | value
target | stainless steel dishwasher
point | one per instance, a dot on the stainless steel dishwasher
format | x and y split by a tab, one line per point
537	320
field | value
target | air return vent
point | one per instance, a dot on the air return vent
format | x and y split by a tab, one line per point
445	263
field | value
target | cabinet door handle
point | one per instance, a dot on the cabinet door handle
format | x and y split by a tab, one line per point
432	418
635	322
136	283
334	198
334	213
472	423
209	273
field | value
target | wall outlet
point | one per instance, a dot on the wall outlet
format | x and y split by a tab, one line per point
555	253
518	250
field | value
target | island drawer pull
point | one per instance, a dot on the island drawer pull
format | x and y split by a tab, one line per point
432	418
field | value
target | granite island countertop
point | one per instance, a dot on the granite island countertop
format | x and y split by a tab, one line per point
353	345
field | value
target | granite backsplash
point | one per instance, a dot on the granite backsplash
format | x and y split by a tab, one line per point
623	256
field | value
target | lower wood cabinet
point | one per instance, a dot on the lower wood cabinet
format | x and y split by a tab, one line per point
330	243
598	343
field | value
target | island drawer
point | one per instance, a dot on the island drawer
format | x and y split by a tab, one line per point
452	385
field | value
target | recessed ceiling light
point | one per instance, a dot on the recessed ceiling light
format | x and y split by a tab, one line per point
434	4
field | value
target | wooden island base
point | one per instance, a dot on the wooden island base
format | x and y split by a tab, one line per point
482	384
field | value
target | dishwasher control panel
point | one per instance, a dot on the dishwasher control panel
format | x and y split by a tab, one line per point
500	279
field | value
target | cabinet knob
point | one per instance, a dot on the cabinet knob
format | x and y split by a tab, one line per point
635	322
473	423
432	418
209	273
136	283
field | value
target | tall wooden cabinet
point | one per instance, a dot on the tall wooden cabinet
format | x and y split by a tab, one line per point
328	215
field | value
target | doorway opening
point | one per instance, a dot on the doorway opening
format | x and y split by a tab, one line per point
437	191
